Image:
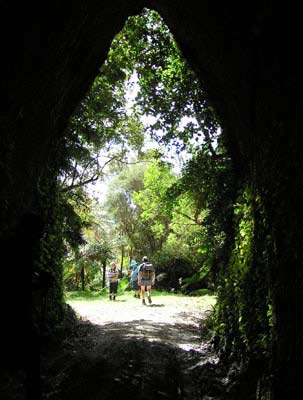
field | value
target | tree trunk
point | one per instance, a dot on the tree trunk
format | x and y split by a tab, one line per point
82	279
130	255
122	257
103	273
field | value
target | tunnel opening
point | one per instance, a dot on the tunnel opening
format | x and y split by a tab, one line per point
245	63
143	120
224	215
174	112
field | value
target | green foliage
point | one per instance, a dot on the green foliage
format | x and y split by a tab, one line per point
157	179
122	210
86	295
208	299
200	292
85	266
169	89
243	321
62	226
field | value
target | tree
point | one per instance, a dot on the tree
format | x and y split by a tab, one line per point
157	179
125	213
168	88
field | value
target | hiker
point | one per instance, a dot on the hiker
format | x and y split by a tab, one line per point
134	278
113	275
131	266
146	278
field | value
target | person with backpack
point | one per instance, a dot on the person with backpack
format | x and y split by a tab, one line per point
134	278
146	278
113	275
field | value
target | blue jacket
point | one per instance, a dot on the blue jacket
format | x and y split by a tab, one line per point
134	274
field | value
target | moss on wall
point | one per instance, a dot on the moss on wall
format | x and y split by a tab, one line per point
246	58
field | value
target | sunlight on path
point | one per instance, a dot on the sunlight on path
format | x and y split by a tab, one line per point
164	309
173	320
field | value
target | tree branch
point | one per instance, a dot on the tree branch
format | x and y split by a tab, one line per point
205	133
83	183
188	217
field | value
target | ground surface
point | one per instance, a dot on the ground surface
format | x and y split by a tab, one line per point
125	349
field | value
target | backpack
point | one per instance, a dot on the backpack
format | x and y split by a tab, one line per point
147	270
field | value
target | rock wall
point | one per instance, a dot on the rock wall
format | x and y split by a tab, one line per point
247	58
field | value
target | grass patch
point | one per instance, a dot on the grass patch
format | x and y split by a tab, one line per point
84	295
97	295
201	292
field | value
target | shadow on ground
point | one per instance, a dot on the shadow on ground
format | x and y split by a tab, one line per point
136	360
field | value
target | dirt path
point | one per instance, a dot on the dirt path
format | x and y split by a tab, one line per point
124	349
160	321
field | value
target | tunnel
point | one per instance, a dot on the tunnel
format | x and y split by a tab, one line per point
247	57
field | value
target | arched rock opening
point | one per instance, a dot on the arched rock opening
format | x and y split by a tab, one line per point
246	58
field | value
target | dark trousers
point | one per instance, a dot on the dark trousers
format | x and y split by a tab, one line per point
113	286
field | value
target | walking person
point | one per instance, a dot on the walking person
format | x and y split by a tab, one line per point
134	278
146	278
113	275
